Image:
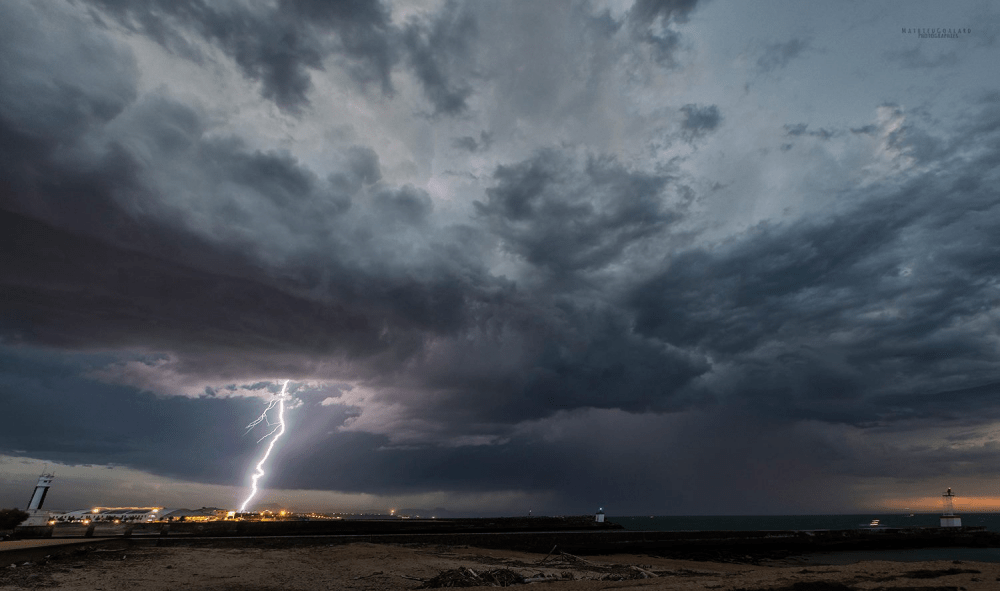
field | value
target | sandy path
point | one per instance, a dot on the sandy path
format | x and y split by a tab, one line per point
383	567
9	545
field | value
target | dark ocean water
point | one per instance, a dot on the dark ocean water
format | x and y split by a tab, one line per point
991	521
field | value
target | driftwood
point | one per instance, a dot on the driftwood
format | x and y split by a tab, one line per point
466	577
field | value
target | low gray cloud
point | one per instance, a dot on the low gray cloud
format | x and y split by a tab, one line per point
283	45
699	120
434	49
651	11
802	129
778	55
565	215
407	204
821	319
471	144
650	23
278	45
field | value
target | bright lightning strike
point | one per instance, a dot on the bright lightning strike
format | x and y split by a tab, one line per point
278	431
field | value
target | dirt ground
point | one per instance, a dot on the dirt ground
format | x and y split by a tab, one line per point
382	567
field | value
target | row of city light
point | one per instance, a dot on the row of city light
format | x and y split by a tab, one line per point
118	515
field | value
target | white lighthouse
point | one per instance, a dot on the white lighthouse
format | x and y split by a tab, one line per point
35	514
41	489
599	516
948	518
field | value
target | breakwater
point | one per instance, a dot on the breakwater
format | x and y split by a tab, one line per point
575	535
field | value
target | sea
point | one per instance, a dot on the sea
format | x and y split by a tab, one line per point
991	521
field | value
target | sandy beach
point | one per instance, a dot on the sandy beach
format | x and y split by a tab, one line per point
373	567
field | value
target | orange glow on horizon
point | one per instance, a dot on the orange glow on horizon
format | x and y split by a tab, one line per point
936	504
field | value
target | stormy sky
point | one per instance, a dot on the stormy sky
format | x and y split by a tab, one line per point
660	256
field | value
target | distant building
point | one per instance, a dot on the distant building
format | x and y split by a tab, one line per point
113	514
203	514
599	517
141	514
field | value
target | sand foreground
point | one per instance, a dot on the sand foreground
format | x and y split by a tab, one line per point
383	567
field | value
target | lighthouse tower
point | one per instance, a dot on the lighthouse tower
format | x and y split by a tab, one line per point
948	518
35	514
41	489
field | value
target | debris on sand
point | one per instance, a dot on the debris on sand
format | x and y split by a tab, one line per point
628	573
466	577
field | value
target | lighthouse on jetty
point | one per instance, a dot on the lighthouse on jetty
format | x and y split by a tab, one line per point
948	518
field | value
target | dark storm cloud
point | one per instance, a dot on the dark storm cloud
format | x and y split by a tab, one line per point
89	168
802	129
557	356
822	319
363	164
778	55
467	143
583	460
361	168
43	119
953	404
699	120
408	204
191	255
564	215
357	463
278	45
70	291
362	274
282	45
650	22
434	48
115	425
650	11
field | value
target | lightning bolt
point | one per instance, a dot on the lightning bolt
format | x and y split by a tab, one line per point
278	431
